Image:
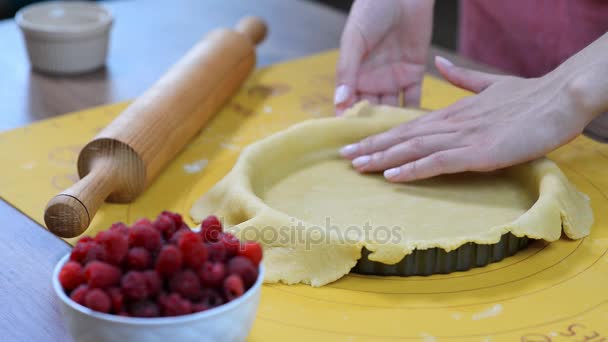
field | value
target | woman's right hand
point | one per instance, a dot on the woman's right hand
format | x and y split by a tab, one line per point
383	52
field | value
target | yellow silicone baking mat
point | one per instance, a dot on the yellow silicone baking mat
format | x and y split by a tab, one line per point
548	292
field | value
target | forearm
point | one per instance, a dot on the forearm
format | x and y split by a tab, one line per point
586	78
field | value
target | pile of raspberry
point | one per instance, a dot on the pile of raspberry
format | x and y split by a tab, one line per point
160	268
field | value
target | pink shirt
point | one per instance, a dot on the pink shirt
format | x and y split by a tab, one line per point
529	37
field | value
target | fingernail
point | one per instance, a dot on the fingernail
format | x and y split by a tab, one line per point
443	61
392	173
349	150
360	161
341	95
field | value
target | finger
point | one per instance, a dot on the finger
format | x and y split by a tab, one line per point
383	77
475	81
427	124
442	162
371	98
340	109
411	95
390	99
406	152
344	98
385	140
352	50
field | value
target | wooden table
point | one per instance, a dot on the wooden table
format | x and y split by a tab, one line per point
147	38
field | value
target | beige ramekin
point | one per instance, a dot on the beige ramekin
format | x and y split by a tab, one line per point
65	37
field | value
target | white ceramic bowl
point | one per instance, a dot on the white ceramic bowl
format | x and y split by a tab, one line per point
229	322
65	37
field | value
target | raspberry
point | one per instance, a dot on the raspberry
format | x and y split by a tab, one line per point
211	298
169	260
71	275
169	269
231	243
217	251
95	252
175	217
194	253
186	283
233	287
138	258
120	227
174	305
144	308
98	300
100	274
143	222
252	251
116	298
143	234
212	274
86	239
177	235
244	268
198	307
165	225
211	228
115	244
79	252
188	237
153	282
134	285
82	248
79	293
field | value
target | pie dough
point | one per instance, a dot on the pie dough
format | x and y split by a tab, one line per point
313	213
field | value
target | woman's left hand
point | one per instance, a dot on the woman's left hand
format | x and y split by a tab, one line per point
510	120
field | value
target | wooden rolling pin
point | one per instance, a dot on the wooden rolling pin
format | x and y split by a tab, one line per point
120	162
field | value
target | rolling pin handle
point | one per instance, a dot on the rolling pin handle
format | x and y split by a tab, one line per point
69	214
254	28
66	216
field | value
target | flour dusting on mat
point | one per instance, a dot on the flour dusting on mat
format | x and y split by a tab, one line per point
196	166
29	166
491	312
427	337
230	146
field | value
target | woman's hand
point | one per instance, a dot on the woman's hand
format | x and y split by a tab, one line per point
511	120
383	52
